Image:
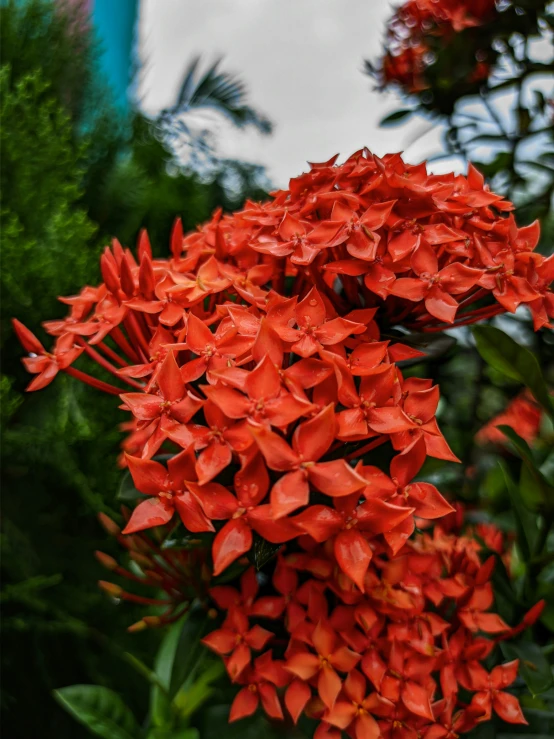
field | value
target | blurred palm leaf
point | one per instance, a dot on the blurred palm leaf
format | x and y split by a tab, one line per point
214	90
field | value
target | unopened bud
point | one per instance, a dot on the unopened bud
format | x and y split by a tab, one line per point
108	525
152	621
140	559
106	561
534	613
138	626
111	588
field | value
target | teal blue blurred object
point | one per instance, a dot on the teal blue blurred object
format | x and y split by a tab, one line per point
115	24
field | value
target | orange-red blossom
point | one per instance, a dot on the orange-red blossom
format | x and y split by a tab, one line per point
251	356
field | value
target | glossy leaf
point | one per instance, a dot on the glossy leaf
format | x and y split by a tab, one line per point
187	651
526	524
534	667
99	709
163	666
515	361
535	490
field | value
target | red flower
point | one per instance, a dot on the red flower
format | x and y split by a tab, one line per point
42	363
260	686
169	494
330	656
310	442
314	330
435	287
491	695
356	712
236	640
171	401
522	414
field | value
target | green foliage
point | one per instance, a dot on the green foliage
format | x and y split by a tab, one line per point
43	223
515	361
74	173
101	710
182	681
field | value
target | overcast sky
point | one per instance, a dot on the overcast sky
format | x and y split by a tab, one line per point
301	61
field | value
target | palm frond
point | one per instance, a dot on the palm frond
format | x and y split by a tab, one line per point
219	91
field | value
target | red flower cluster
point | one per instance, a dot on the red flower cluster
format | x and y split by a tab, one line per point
418	26
256	349
390	662
522	414
262	353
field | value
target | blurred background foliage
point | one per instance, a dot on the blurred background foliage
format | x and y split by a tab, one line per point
75	172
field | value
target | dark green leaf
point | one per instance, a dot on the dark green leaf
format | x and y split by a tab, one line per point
176	660
99	709
515	361
396	117
547	469
160	705
535	490
526	524
534	667
262	552
190	733
532	492
188	650
127	490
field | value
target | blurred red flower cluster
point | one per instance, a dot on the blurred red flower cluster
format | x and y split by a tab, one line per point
264	352
522	414
418	26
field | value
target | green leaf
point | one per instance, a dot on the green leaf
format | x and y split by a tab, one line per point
534	667
127	490
526	525
535	490
396	117
532	491
262	552
177	658
188	650
99	709
160	705
515	361
191	697
190	733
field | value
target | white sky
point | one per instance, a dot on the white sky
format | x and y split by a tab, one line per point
301	61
